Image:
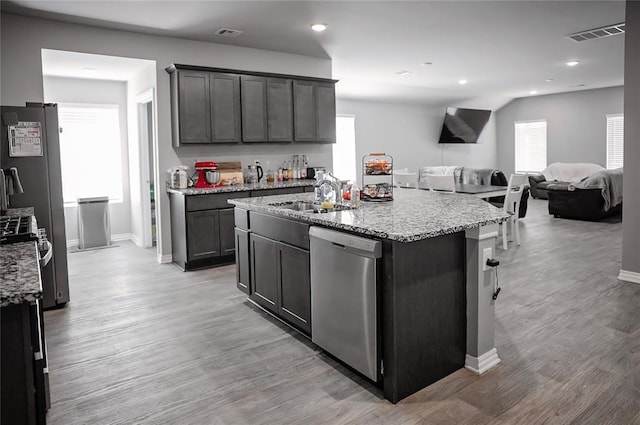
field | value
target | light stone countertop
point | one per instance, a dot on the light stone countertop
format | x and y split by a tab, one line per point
19	268
413	215
242	187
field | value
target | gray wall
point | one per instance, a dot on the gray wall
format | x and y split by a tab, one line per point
410	133
76	90
21	41
576	125
631	204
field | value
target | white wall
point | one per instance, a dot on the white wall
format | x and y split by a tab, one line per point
22	39
576	125
76	90
410	133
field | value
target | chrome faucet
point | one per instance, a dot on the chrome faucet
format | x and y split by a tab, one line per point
336	185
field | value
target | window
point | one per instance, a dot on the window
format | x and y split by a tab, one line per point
90	152
531	146
344	150
615	141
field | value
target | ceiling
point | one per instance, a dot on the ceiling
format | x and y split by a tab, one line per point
505	49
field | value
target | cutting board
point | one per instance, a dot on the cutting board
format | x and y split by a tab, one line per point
230	173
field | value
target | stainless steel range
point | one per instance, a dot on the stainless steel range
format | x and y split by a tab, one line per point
18	229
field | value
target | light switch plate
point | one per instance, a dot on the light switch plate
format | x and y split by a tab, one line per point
486	255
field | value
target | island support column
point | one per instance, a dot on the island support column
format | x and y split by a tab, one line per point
481	352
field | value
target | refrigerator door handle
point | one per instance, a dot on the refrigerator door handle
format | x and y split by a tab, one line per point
44	260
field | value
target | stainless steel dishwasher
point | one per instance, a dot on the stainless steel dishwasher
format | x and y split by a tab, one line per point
343	297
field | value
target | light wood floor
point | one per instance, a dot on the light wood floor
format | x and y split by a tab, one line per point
147	343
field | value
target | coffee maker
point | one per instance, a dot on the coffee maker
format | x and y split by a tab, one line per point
207	174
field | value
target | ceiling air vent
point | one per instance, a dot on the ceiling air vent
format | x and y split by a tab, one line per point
602	32
228	32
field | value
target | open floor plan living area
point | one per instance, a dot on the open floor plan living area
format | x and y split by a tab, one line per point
313	212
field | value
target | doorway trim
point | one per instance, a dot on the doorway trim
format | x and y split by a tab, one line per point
144	140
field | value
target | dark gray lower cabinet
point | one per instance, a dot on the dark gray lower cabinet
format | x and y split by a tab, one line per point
280	280
295	286
227	236
203	234
243	269
264	272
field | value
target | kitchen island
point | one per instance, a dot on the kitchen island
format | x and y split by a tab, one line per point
434	297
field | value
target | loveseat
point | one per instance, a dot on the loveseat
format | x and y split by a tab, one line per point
484	176
560	174
592	198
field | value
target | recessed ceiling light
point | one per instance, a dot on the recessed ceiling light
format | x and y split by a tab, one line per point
572	63
462	82
319	27
403	72
426	63
548	80
533	92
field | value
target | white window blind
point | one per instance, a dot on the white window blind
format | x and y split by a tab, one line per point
531	146
90	152
615	141
344	150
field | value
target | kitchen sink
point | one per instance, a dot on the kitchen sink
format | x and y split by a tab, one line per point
309	207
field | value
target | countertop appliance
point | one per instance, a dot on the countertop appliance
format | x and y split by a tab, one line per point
30	143
202	168
344	311
254	174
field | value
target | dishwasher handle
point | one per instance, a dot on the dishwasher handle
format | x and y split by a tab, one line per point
363	246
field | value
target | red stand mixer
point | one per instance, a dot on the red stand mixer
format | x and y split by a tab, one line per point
207	174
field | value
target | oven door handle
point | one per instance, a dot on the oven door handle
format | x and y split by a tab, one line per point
44	260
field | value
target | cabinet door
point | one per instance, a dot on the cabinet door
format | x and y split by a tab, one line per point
295	286
242	260
264	272
203	235
304	111
254	108
326	112
227	238
279	110
225	108
194	107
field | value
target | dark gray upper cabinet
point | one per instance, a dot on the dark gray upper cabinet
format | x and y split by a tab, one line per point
267	109
205	107
254	108
194	107
280	110
215	105
225	108
326	112
304	111
315	111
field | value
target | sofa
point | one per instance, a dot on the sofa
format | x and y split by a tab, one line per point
593	198
485	176
560	173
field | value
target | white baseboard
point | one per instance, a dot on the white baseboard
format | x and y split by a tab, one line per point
163	259
136	240
627	276
480	365
114	238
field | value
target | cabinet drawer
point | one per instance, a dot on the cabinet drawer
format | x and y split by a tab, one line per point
280	229
283	191
215	201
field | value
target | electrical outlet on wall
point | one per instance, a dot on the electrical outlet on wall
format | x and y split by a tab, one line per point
487	254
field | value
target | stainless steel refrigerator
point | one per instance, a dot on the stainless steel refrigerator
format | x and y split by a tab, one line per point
35	152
